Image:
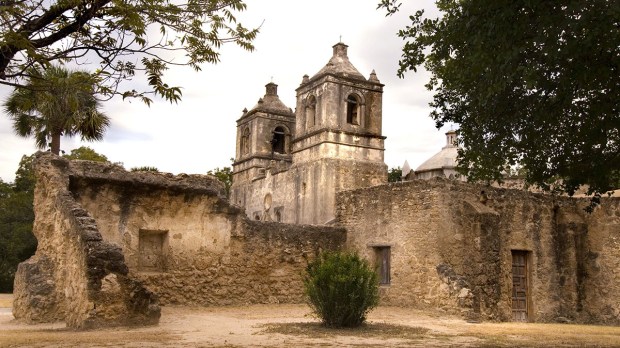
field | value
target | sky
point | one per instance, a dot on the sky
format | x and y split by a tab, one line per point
296	38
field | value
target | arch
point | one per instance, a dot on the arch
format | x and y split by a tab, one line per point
278	141
310	111
354	109
245	141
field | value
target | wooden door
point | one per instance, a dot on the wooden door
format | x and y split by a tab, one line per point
519	285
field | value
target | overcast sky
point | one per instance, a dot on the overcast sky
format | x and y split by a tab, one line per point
296	38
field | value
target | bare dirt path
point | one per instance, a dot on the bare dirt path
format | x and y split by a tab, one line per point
293	326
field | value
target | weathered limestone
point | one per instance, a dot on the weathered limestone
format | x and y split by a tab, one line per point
110	239
451	251
75	275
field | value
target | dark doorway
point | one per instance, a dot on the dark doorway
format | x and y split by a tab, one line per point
519	285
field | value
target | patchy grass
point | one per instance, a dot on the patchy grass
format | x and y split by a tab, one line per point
368	330
70	338
544	335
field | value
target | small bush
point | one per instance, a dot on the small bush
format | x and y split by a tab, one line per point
341	288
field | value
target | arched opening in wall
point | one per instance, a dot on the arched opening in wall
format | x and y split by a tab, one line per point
245	141
278	142
311	111
277	213
353	109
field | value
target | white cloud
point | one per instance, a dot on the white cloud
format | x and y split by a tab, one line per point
198	134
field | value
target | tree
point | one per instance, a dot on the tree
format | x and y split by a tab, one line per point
121	37
87	154
56	103
341	288
531	83
224	175
144	169
395	174
17	243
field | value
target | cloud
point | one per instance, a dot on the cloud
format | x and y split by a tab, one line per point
296	38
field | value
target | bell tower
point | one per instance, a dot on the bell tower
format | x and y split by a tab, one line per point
338	143
264	135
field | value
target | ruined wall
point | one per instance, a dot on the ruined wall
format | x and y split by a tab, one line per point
448	250
182	238
75	275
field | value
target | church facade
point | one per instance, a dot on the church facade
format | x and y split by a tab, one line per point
289	165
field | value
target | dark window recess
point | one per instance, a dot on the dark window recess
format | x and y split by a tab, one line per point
152	246
311	111
245	142
383	255
353	107
278	140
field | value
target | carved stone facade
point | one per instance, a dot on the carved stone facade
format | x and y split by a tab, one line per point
289	166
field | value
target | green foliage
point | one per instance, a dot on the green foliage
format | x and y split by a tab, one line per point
395	174
54	103
224	175
17	243
341	288
532	83
127	37
87	154
144	169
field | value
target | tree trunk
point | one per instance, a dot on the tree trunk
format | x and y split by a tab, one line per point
56	143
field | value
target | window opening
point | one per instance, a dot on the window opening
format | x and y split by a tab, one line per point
382	259
245	141
152	246
278	140
311	111
353	107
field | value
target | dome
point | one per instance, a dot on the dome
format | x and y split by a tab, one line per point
271	103
340	65
444	159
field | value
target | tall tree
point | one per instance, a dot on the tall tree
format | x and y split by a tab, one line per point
54	103
17	243
87	154
121	36
530	82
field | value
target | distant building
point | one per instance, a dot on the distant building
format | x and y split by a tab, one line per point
442	164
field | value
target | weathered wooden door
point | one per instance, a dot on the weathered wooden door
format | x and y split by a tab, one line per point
519	285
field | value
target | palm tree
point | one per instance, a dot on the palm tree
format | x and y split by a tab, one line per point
56	103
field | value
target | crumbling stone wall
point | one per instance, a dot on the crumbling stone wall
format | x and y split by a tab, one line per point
451	248
182	238
75	275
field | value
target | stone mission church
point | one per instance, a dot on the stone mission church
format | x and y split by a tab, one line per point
289	165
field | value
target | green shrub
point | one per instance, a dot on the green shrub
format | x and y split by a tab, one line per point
341	288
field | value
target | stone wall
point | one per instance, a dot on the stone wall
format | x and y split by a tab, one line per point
451	248
306	192
182	238
75	275
110	239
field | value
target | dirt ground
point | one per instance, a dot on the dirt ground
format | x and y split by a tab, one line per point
293	326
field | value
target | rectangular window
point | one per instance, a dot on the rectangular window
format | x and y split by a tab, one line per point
152	245
382	259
